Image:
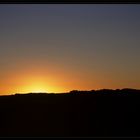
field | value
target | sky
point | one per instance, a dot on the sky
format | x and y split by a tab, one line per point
64	47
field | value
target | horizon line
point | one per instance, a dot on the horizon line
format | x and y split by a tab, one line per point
8	94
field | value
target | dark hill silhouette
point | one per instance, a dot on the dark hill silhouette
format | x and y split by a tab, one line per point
95	113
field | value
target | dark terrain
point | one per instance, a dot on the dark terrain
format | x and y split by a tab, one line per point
100	113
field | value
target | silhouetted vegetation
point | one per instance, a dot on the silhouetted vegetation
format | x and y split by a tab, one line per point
95	113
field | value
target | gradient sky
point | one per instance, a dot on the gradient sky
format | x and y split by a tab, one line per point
62	47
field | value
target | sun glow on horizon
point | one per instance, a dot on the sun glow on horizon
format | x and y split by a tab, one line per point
37	87
33	84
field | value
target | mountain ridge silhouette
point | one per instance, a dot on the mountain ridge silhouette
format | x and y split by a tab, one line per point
94	113
77	91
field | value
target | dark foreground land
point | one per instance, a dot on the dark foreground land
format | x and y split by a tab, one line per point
103	113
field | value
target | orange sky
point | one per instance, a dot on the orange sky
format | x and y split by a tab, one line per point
33	80
59	48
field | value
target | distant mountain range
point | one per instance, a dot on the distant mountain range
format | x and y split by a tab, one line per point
95	113
107	91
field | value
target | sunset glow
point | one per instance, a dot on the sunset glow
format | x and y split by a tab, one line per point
33	84
59	48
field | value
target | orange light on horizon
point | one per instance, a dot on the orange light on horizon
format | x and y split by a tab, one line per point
37	81
31	83
39	87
